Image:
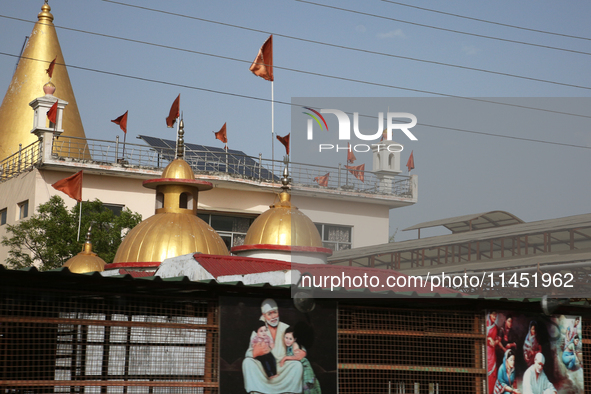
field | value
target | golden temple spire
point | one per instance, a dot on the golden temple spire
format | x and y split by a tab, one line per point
16	117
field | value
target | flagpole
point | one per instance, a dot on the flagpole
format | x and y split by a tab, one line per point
124	138
273	128
79	220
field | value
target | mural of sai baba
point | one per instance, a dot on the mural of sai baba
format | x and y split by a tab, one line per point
267	346
533	354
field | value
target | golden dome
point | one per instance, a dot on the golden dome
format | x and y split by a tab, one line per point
85	261
167	235
283	224
175	229
16	116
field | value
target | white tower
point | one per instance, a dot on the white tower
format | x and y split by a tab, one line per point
42	127
386	163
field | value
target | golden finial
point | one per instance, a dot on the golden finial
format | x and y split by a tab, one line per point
180	146
285	197
88	245
45	13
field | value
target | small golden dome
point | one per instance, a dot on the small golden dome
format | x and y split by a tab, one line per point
85	261
178	169
283	224
167	235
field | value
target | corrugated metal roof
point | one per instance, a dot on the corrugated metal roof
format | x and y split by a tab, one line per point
238	265
477	221
453	239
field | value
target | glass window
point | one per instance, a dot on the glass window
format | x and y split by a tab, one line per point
23	209
115	208
232	229
335	237
3	214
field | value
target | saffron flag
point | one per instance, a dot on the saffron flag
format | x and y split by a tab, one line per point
263	64
52	113
285	142
410	164
49	69
122	122
222	135
357	171
71	185
350	155
174	112
322	180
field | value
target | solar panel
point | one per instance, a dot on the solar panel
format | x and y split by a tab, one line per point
204	158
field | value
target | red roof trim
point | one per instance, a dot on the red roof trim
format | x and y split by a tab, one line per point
132	265
286	248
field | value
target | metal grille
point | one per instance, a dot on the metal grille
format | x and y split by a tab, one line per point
384	350
74	342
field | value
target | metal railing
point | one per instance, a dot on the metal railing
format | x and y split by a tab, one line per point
23	160
229	164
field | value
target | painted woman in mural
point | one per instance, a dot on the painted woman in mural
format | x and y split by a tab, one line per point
572	332
492	341
570	357
297	353
289	376
507	335
506	383
531	346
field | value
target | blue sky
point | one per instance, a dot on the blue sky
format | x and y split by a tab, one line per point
531	180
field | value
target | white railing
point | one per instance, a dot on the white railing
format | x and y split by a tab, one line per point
230	164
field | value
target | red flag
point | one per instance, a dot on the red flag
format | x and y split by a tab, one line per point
222	135
71	185
122	122
357	171
52	113
174	112
263	64
49	70
322	180
285	142
410	164
350	155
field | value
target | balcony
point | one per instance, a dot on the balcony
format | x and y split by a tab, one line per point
208	162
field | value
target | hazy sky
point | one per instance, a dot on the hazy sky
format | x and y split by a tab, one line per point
459	173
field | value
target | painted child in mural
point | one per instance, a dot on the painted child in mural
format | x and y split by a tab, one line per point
310	384
570	357
531	346
492	342
264	340
506	377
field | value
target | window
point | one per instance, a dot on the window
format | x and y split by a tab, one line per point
335	237
115	208
186	201
23	209
3	214
232	229
159	200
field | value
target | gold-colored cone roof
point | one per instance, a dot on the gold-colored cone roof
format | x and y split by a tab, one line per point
283	224
167	235
85	261
16	116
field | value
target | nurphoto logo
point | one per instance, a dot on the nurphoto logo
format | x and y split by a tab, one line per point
345	129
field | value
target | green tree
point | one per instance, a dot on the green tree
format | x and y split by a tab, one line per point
49	236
